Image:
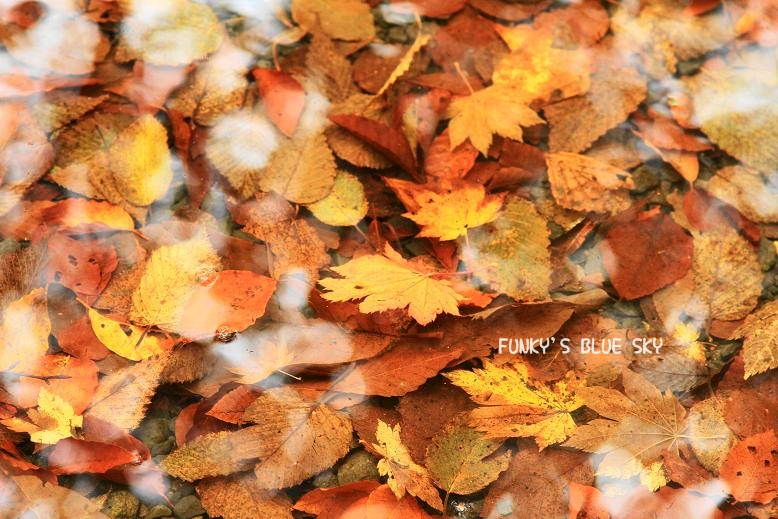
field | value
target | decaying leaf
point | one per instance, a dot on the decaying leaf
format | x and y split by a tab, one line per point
291	441
404	474
585	184
462	460
514	405
239	498
493	110
760	347
387	281
751	468
511	254
727	276
637	426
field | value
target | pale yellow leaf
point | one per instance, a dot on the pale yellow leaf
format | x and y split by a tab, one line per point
24	332
585	184
515	405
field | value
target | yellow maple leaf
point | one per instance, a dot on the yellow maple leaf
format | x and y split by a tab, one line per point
140	161
53	419
135	345
496	109
538	70
514	405
404	474
387	282
449	215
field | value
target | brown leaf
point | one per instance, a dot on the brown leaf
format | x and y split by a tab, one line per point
331	503
397	372
646	254
386	139
292	440
240	498
585	184
28	496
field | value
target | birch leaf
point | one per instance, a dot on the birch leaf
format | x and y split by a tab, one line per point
24	333
386	282
171	274
345	205
135	345
585	184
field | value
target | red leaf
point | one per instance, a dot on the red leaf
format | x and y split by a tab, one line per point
397	372
282	96
330	503
84	266
751	468
72	456
646	254
586	501
233	299
389	141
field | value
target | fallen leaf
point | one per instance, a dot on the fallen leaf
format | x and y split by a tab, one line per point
748	190
493	110
234	299
279	448
585	184
386	139
121	398
282	96
53	420
760	347
587	501
511	254
345	205
513	405
128	341
405	62
332	503
637	426
387	282
85	265
170	33
452	214
404	474
239	498
29	495
24	333
727	276
646	254
462	460
339	19
751	468
169	278
140	161
392	373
